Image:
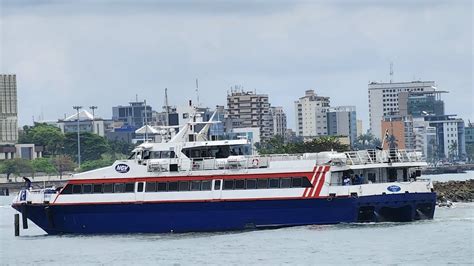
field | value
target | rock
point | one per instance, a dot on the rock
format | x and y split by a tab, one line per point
454	191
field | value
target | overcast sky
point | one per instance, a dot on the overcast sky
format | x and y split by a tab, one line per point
67	53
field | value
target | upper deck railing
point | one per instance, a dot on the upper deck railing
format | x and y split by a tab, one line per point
382	156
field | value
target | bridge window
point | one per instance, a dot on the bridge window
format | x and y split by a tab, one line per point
296	182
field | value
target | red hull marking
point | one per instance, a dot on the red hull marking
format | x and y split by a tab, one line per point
315	171
316	181
187	178
321	183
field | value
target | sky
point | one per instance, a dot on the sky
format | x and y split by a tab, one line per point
107	53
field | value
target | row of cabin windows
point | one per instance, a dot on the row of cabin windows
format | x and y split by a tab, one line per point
264	183
197	185
102	188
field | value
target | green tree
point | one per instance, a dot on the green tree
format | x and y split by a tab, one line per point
63	163
119	149
366	142
50	137
92	146
8	167
392	142
453	150
43	165
325	143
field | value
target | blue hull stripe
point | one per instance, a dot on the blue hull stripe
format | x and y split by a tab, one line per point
226	215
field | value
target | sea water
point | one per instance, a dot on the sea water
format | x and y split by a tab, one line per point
447	239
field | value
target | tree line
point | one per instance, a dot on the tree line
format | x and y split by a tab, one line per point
60	152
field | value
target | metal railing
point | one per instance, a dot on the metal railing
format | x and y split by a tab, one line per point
382	156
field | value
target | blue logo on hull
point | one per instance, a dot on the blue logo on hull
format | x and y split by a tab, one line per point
122	168
393	188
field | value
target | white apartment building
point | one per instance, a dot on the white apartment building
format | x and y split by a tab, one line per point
8	110
384	100
249	109
311	115
279	120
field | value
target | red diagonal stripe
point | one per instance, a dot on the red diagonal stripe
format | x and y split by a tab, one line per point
321	183
316	180
311	180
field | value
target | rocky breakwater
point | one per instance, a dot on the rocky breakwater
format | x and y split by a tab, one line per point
454	191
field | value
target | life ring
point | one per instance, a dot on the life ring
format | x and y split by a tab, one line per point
255	162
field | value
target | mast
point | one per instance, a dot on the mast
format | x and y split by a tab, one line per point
167	108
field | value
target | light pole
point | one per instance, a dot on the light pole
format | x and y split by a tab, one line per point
93	107
77	108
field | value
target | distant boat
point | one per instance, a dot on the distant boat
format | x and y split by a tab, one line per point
192	184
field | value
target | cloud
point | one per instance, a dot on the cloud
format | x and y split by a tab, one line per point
89	53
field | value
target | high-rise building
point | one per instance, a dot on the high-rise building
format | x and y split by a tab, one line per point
247	109
279	120
360	129
420	103
311	117
384	100
400	132
133	115
342	121
450	136
469	133
8	109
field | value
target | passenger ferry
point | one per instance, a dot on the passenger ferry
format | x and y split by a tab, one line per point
191	184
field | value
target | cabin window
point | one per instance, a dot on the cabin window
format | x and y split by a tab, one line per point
119	187
173	186
285	182
206	185
274	183
228	184
129	187
305	182
217	185
195	185
87	189
67	190
108	188
150	187
76	189
262	183
184	186
161	186
140	187
296	182
240	184
97	188
251	184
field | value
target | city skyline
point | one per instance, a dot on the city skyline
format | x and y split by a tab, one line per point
66	54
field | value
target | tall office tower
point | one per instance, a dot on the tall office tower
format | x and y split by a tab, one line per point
342	121
311	117
248	109
8	110
384	100
279	120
